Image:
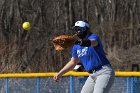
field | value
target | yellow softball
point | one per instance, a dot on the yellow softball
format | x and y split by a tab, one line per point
26	26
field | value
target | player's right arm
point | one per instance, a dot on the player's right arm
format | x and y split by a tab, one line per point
69	66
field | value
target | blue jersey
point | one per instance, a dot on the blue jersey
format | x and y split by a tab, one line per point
91	57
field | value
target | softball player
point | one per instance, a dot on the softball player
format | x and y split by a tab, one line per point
89	51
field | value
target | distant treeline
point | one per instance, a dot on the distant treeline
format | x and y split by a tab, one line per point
117	22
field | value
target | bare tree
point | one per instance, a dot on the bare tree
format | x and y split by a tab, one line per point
117	22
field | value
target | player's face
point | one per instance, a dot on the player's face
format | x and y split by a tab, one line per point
79	29
81	32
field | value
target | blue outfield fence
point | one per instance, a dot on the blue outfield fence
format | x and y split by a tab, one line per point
67	84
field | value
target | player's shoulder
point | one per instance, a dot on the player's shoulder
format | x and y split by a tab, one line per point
76	46
93	36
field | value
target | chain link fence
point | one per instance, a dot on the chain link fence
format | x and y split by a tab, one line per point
65	85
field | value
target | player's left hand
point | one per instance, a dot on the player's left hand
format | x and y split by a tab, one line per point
57	77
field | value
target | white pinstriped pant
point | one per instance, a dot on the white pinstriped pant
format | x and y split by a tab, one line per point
99	81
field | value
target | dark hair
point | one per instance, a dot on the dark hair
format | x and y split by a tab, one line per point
86	21
87	28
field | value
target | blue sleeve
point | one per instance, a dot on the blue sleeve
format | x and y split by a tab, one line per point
96	37
74	52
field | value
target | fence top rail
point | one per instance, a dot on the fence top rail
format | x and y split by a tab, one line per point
70	73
